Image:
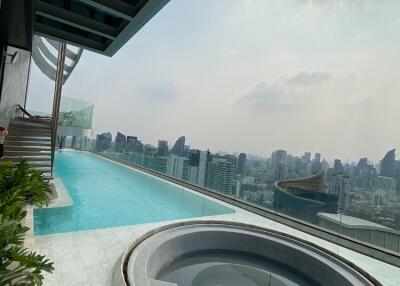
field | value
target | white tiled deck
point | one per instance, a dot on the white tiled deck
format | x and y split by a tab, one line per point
88	257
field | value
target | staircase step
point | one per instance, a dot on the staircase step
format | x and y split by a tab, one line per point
29	159
11	143
43	169
22	154
28	128
17	123
36	120
27	138
40	164
27	148
30	133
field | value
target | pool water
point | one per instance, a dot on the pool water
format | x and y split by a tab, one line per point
107	194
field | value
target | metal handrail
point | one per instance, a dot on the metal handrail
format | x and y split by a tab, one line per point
57	99
24	111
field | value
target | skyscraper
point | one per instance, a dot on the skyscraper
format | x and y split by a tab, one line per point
232	159
241	165
193	166
162	149
133	144
179	146
203	164
103	141
339	185
220	175
317	157
388	164
177	167
307	156
278	164
120	142
337	167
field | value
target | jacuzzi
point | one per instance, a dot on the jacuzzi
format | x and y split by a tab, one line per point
230	254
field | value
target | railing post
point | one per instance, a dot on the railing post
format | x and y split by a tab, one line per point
56	100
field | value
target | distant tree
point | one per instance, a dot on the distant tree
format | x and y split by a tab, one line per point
60	140
66	118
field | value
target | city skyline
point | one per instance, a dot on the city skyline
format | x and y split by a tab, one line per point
264	155
254	76
306	186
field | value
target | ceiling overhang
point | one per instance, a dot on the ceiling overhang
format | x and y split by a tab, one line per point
16	23
102	26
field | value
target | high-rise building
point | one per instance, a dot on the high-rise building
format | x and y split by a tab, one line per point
339	185
193	174
337	167
307	156
316	165
162	149
388	164
179	146
194	157
397	174
241	165
317	157
304	198
120	142
103	141
133	144
203	164
278	164
159	164
177	167
232	159
220	175
385	184
149	150
193	166
363	176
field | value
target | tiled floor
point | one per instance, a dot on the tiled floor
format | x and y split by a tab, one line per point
88	257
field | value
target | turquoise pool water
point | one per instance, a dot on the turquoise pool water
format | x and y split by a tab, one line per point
107	194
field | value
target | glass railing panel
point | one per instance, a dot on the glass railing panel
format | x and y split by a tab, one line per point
371	209
75	113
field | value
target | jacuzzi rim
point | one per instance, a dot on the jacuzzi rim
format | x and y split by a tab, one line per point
127	253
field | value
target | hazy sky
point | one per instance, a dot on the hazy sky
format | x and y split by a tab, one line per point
251	76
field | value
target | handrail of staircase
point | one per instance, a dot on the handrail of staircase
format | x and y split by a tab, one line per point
24	111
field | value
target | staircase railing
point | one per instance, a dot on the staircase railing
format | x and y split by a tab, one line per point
57	100
24	111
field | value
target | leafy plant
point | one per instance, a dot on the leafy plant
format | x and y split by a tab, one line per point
26	182
20	185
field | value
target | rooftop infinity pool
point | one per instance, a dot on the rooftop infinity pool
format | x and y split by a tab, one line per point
108	194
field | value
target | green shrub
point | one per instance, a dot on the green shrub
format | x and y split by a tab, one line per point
20	185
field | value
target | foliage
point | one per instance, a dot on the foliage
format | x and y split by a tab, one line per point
66	118
20	185
21	180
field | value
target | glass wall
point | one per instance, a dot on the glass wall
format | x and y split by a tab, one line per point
354	200
75	113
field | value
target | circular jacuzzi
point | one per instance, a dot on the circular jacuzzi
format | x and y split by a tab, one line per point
230	254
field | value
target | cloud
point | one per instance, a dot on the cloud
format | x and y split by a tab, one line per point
162	92
304	78
285	92
264	96
332	2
